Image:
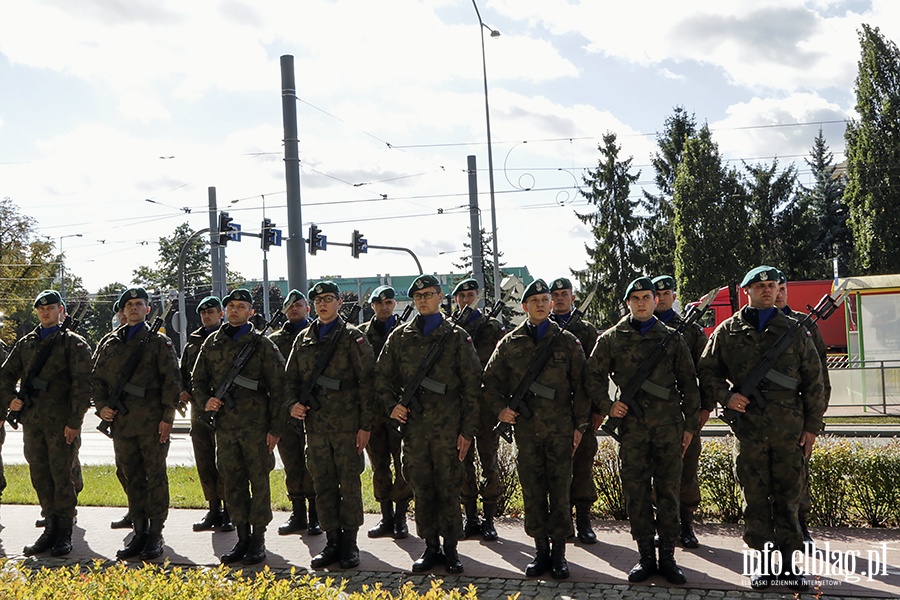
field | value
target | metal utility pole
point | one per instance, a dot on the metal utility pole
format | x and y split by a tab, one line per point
216	252
475	223
296	250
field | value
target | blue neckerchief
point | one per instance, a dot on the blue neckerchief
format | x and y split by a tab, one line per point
666	315
390	324
45	333
642	327
241	331
475	314
562	318
131	330
210	330
297	327
537	332
787	310
765	315
325	328
431	322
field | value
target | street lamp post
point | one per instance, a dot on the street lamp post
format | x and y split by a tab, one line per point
62	266
487	117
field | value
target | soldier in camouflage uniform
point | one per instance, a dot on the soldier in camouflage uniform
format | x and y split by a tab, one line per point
61	394
247	434
339	425
584	491
547	441
203	439
4	352
781	303
390	489
436	440
485	334
772	439
140	437
292	445
652	445
689	498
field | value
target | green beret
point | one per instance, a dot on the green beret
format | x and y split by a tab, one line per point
324	287
640	284
465	285
240	294
209	302
761	273
116	307
293	296
782	278
560	283
47	297
423	281
663	282
383	292
534	288
131	294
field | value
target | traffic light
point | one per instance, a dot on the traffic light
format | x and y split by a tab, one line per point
269	236
359	245
224	227
316	240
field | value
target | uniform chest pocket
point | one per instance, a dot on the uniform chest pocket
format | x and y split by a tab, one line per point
559	358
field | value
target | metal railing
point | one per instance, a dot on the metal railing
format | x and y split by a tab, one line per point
871	386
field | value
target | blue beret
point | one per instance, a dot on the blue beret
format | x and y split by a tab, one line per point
47	297
465	285
424	281
324	287
293	296
663	282
538	286
761	273
561	283
131	294
641	284
382	292
209	302
238	295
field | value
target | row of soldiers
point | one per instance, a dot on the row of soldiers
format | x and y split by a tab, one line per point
320	397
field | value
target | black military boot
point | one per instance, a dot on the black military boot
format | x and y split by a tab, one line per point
314	527
136	545
256	549
688	539
226	525
473	523
401	530
155	543
63	543
583	529
297	520
559	566
488	531
667	565
804	530
331	553
212	518
349	548
240	548
46	540
763	579
452	563
431	557
646	565
797	583
123	523
541	562
385	525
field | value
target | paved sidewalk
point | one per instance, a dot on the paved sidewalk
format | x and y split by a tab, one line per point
495	568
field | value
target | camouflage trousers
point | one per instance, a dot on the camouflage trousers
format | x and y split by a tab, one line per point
486	445
142	460
336	466
650	467
584	491
770	475
297	478
203	440
805	499
2	476
432	467
245	462
690	482
50	460
544	465
383	448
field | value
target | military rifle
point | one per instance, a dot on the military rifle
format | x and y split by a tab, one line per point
420	381
639	381
317	379
118	393
528	385
496	309
224	391
748	387
32	383
404	315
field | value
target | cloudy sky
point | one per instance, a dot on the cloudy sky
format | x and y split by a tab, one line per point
107	104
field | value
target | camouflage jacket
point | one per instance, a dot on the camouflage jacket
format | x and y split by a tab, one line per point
584	331
736	347
569	407
346	401
374	330
670	395
62	392
188	358
284	338
153	390
258	408
821	350
696	340
458	369
485	334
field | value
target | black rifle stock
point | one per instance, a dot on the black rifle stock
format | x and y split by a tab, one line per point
308	393
404	315
748	387
223	391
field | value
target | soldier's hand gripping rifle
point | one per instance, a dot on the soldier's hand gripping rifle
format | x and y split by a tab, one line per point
748	387
317	379
31	383
118	393
528	385
639	380
224	391
420	380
